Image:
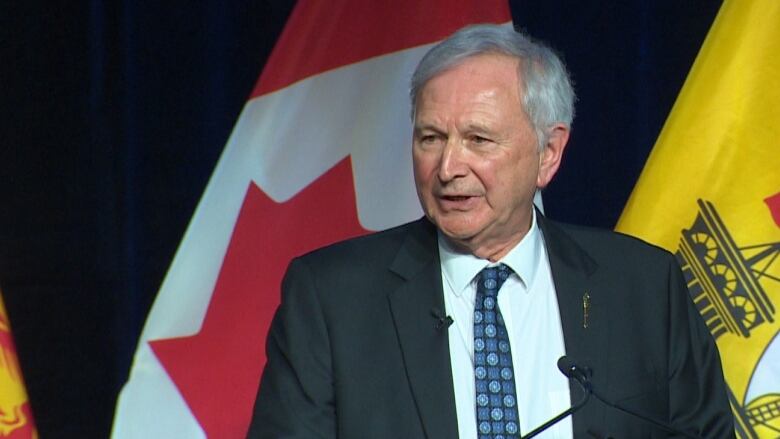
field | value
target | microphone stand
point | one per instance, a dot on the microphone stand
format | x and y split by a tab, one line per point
585	397
582	376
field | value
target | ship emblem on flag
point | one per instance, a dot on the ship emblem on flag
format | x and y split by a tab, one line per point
735	289
713	174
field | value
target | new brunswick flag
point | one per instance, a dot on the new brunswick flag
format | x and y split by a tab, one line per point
15	417
710	192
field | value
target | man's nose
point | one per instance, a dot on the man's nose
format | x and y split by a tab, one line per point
453	164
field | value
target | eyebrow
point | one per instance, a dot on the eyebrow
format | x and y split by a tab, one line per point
473	127
426	126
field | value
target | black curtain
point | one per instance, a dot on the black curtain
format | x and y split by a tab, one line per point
115	113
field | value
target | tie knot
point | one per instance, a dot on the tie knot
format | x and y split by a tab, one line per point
490	279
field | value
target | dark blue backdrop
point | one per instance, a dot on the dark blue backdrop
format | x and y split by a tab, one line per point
114	114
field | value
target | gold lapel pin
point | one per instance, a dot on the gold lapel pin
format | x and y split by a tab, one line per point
585	309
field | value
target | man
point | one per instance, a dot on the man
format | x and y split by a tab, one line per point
402	334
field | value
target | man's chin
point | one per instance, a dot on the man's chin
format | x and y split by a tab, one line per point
457	225
459	236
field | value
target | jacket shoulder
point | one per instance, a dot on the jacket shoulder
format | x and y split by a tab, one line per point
603	244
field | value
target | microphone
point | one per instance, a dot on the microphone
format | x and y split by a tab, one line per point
442	321
573	371
582	375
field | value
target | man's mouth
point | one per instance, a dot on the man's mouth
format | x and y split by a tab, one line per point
458	202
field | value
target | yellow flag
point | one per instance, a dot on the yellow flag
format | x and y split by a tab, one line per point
710	192
15	417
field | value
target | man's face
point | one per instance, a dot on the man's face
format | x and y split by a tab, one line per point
476	161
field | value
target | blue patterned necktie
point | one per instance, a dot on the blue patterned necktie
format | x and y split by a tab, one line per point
497	416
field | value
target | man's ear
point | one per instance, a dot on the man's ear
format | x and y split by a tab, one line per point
552	154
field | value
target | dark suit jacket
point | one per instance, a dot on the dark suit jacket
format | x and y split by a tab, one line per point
354	352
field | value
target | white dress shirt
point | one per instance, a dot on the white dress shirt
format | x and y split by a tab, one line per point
529	306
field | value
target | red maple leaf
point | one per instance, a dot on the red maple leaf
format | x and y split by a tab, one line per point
218	369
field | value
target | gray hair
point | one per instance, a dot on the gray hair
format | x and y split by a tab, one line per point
549	95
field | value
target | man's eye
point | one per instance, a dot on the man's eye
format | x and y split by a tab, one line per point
480	140
429	138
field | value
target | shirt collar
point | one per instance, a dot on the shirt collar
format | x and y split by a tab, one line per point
461	268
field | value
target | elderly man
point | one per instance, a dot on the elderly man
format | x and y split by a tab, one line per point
403	333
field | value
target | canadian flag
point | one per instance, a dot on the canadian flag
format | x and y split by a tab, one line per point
321	152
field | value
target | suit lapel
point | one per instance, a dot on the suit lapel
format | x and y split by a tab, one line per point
425	348
585	338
